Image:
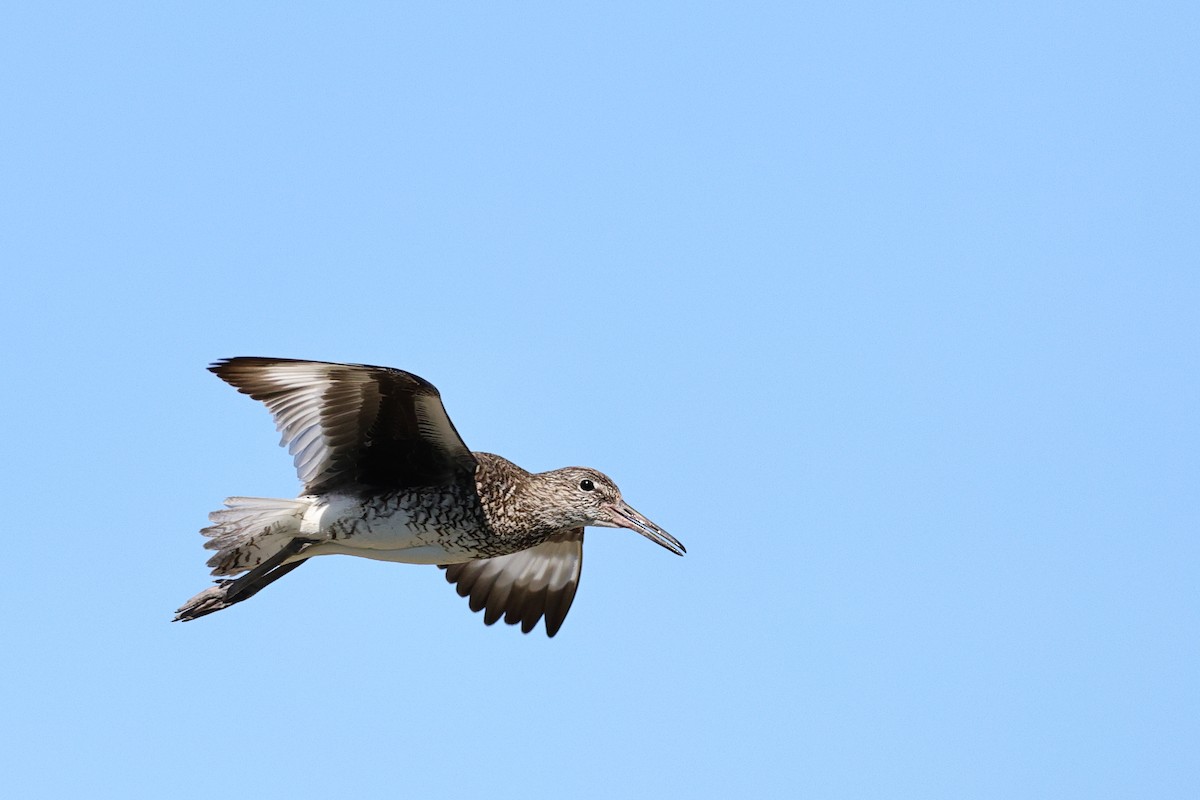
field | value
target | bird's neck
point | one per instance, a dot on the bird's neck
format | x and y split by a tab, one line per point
512	502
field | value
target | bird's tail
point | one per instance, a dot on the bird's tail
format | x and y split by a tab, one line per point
249	530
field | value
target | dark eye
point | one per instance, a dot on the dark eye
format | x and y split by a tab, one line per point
587	485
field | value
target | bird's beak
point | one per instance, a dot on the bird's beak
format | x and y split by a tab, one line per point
623	516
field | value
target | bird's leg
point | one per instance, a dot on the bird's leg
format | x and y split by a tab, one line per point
227	592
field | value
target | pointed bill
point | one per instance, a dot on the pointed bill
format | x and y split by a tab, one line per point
624	516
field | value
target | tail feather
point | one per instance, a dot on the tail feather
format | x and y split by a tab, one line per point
249	530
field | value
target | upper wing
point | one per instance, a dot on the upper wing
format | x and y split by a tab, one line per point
523	586
354	426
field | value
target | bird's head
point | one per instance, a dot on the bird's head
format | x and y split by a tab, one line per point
588	497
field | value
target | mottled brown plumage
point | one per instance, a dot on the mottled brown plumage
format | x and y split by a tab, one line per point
386	476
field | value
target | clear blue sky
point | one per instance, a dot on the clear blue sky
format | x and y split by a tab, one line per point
888	311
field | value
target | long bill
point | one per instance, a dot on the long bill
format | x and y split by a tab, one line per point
624	516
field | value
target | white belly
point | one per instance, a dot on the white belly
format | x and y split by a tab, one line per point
341	527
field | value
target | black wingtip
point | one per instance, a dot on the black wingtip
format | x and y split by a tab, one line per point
221	364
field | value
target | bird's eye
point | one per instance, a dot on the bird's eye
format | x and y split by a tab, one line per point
587	485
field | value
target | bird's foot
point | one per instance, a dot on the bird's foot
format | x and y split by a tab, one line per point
214	598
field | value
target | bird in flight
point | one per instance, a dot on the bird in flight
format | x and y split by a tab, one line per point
386	476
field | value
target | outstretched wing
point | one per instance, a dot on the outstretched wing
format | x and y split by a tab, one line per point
354	427
524	586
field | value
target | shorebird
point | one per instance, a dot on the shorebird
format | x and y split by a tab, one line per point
386	476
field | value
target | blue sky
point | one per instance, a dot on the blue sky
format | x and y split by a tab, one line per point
888	312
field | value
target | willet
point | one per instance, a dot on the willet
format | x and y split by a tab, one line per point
386	476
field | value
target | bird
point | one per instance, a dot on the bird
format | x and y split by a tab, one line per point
386	476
